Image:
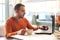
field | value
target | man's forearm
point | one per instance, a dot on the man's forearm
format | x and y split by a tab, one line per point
20	32
10	34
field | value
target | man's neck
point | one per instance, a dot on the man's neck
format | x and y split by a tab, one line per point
18	18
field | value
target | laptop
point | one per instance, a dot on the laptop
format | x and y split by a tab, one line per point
49	22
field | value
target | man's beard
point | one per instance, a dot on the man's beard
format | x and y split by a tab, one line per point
21	16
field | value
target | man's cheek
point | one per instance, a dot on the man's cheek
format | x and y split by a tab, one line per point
22	13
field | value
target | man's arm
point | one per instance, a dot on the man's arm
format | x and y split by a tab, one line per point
8	27
29	26
10	34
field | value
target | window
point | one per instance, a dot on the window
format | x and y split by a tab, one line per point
2	11
40	8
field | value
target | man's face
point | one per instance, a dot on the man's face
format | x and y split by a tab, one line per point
21	12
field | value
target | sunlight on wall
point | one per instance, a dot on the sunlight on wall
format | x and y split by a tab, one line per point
48	6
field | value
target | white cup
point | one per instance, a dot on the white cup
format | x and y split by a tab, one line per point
29	31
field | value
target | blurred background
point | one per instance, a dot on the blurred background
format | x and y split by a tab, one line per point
33	7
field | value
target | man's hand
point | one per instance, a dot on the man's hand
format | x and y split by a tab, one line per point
44	27
38	27
21	32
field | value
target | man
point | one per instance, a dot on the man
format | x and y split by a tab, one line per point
18	24
58	21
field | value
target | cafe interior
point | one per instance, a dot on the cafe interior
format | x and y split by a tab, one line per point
42	13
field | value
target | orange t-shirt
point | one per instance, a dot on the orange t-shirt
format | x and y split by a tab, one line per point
12	25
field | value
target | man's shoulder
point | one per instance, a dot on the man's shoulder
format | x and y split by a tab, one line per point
25	18
9	19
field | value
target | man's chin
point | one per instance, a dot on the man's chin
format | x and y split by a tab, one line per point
22	17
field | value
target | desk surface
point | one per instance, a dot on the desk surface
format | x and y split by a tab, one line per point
4	38
31	37
36	37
